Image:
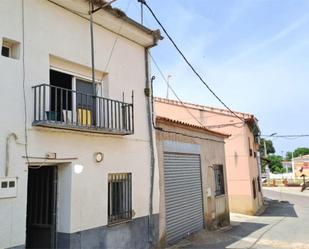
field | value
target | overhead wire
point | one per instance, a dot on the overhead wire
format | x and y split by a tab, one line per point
187	61
286	136
184	105
24	81
168	85
173	132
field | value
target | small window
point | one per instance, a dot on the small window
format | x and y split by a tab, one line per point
250	150
119	197
253	188
259	183
10	48
219	180
254	154
6	51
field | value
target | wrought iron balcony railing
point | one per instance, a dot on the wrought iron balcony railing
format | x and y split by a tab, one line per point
67	109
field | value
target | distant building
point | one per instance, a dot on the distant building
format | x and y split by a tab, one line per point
241	148
301	163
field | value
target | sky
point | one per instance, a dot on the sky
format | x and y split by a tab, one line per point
253	53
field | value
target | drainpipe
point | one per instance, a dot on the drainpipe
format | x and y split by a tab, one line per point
7	152
151	137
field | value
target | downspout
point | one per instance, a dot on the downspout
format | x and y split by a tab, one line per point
151	137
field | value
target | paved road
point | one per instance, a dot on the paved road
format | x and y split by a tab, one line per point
283	225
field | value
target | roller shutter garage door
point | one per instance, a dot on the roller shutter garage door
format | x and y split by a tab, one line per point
183	195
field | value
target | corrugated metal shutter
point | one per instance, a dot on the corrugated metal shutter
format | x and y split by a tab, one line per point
183	195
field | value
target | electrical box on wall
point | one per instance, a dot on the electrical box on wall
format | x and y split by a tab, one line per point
8	187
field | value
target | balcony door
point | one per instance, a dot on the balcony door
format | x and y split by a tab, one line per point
85	103
71	100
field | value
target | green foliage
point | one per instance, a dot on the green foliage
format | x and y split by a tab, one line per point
297	152
269	147
275	164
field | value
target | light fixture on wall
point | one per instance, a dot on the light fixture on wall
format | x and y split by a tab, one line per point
98	157
78	168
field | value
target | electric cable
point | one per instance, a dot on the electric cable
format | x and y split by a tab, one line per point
168	85
173	132
187	61
287	136
24	81
183	104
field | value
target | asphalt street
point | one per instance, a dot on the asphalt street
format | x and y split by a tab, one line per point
283	225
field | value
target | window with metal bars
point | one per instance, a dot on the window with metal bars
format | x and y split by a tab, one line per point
119	197
259	183
254	188
219	180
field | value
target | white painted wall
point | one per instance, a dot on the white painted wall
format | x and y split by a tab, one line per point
82	200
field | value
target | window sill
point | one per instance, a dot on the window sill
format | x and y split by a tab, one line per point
220	196
119	222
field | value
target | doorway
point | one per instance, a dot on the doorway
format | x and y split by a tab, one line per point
41	207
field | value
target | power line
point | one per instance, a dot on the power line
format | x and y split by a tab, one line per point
24	80
187	109
187	61
173	132
287	136
169	86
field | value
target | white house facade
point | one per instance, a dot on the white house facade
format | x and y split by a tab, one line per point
77	165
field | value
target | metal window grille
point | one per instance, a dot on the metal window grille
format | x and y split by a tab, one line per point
254	188
119	197
259	183
219	180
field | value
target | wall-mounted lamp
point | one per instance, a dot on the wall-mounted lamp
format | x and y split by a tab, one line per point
98	157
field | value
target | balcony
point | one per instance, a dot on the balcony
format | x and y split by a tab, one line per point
63	108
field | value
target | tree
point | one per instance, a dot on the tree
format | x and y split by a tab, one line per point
269	147
297	152
275	164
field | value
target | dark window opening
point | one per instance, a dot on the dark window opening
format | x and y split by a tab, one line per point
250	150
4	184
253	188
254	154
5	51
60	95
259	183
119	197
219	180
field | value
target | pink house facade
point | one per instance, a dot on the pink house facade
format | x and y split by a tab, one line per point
241	148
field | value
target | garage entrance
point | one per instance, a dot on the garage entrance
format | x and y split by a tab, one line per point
183	195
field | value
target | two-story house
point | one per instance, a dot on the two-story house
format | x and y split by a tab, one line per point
77	168
241	148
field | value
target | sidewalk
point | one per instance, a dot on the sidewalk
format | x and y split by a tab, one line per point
283	225
289	190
